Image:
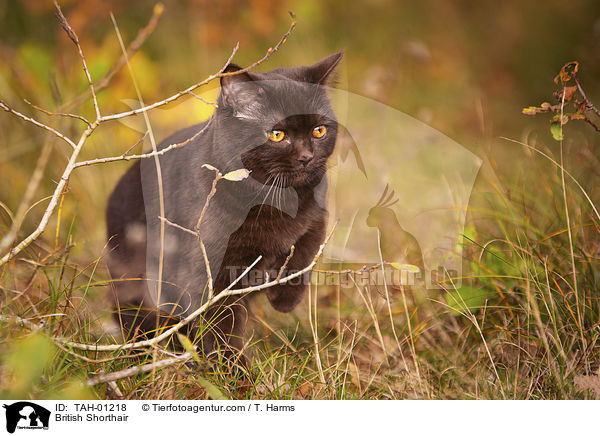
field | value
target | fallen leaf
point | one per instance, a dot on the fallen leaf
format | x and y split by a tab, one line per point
237	175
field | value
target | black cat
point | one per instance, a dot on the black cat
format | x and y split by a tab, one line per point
281	127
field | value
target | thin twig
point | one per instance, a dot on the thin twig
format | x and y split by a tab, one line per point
7	108
126	152
591	123
211	194
134	46
208	273
143	34
79	117
145	155
177	226
53	200
220	74
129	372
22	321
71	33
287	259
587	101
242	275
212	103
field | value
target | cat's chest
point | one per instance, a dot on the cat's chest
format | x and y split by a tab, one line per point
270	231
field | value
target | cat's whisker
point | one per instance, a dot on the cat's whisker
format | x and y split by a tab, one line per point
279	190
268	194
271	176
264	200
274	201
278	193
286	187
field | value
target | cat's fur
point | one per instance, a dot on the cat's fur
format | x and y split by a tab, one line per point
281	204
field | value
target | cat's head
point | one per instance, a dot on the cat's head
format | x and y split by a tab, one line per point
279	123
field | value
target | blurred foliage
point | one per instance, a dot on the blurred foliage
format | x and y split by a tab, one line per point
26	368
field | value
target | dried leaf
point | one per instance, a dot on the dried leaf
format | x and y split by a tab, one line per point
567	71
210	167
531	110
569	92
544	107
237	175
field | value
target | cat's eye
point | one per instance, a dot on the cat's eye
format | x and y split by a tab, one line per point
319	131
276	135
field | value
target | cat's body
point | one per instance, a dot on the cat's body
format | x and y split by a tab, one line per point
280	126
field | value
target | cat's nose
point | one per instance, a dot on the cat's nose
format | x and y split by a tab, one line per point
305	157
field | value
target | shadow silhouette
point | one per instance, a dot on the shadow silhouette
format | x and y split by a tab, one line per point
397	245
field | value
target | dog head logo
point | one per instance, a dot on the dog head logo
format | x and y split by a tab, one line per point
24	414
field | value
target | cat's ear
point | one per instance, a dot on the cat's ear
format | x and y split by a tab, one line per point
322	72
238	90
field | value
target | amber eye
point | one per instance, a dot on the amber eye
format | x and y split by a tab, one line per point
319	131
276	135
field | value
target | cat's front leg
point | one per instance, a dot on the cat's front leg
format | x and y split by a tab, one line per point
286	296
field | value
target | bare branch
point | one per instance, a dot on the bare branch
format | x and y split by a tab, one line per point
7	108
591	123
220	74
287	260
53	200
129	372
133	48
126	152
177	226
174	96
208	273
145	155
212	103
71	33
587	101
242	275
213	191
79	117
143	34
